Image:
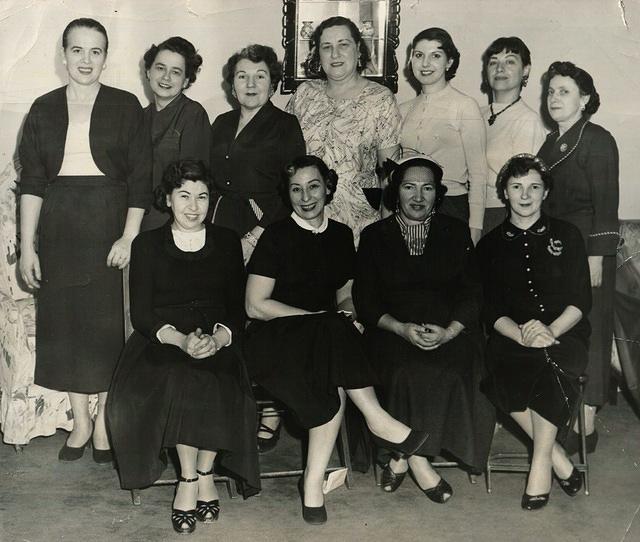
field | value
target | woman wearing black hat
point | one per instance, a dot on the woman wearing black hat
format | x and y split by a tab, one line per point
417	294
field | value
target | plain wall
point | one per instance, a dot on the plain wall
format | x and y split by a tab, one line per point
591	33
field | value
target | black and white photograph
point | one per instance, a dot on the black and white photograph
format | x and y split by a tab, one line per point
309	270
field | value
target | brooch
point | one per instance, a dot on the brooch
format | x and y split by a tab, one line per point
554	247
563	147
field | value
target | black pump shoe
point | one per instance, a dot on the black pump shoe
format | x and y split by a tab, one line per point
407	447
267	444
184	521
389	480
440	493
102	457
314	515
207	511
572	484
534	502
70	453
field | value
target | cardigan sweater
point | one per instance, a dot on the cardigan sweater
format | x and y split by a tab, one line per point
120	146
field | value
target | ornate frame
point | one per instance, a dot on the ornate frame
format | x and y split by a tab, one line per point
374	17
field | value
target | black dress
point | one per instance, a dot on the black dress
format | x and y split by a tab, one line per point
584	165
247	167
160	396
535	274
436	390
301	360
180	131
80	317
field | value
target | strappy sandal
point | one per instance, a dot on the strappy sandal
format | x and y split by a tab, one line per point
184	521
267	444
207	511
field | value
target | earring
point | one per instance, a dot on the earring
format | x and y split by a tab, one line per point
359	65
582	107
525	80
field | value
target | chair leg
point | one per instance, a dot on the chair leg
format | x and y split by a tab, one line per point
346	454
487	477
136	498
583	447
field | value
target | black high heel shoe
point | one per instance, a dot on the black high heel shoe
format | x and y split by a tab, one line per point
534	502
441	493
207	511
407	447
572	484
71	453
184	521
267	444
389	480
314	515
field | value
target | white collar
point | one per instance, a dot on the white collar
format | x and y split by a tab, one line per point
306	226
189	241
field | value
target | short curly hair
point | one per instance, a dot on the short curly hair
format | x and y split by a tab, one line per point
449	48
583	80
175	176
391	193
312	64
518	166
255	53
179	45
329	176
512	44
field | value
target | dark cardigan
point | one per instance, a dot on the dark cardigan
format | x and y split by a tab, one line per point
120	146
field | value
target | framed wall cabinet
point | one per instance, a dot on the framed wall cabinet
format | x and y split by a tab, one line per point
378	21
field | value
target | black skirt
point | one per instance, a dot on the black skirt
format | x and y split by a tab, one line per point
301	361
79	319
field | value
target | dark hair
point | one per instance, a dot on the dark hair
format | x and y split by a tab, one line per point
518	166
329	176
175	176
85	22
447	45
312	64
391	193
176	44
255	53
581	78
512	44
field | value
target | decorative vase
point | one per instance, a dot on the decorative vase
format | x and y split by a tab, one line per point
367	29
307	30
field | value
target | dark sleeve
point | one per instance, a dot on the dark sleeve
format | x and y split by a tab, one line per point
368	287
494	305
195	143
264	260
602	172
234	286
139	157
468	293
143	316
576	272
291	145
33	178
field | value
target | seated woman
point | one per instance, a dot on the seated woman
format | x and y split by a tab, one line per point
300	348
417	295
537	292
180	381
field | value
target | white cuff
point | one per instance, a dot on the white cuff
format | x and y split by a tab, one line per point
219	325
166	326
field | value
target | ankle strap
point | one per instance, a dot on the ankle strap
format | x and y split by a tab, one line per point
183	479
205	473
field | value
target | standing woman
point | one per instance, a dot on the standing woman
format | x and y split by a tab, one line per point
447	125
512	126
179	126
85	183
583	158
250	147
351	123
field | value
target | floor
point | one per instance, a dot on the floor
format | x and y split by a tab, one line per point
43	500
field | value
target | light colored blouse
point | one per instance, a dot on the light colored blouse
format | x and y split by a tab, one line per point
77	159
519	129
448	127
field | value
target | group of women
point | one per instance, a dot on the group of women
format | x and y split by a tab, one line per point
292	194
